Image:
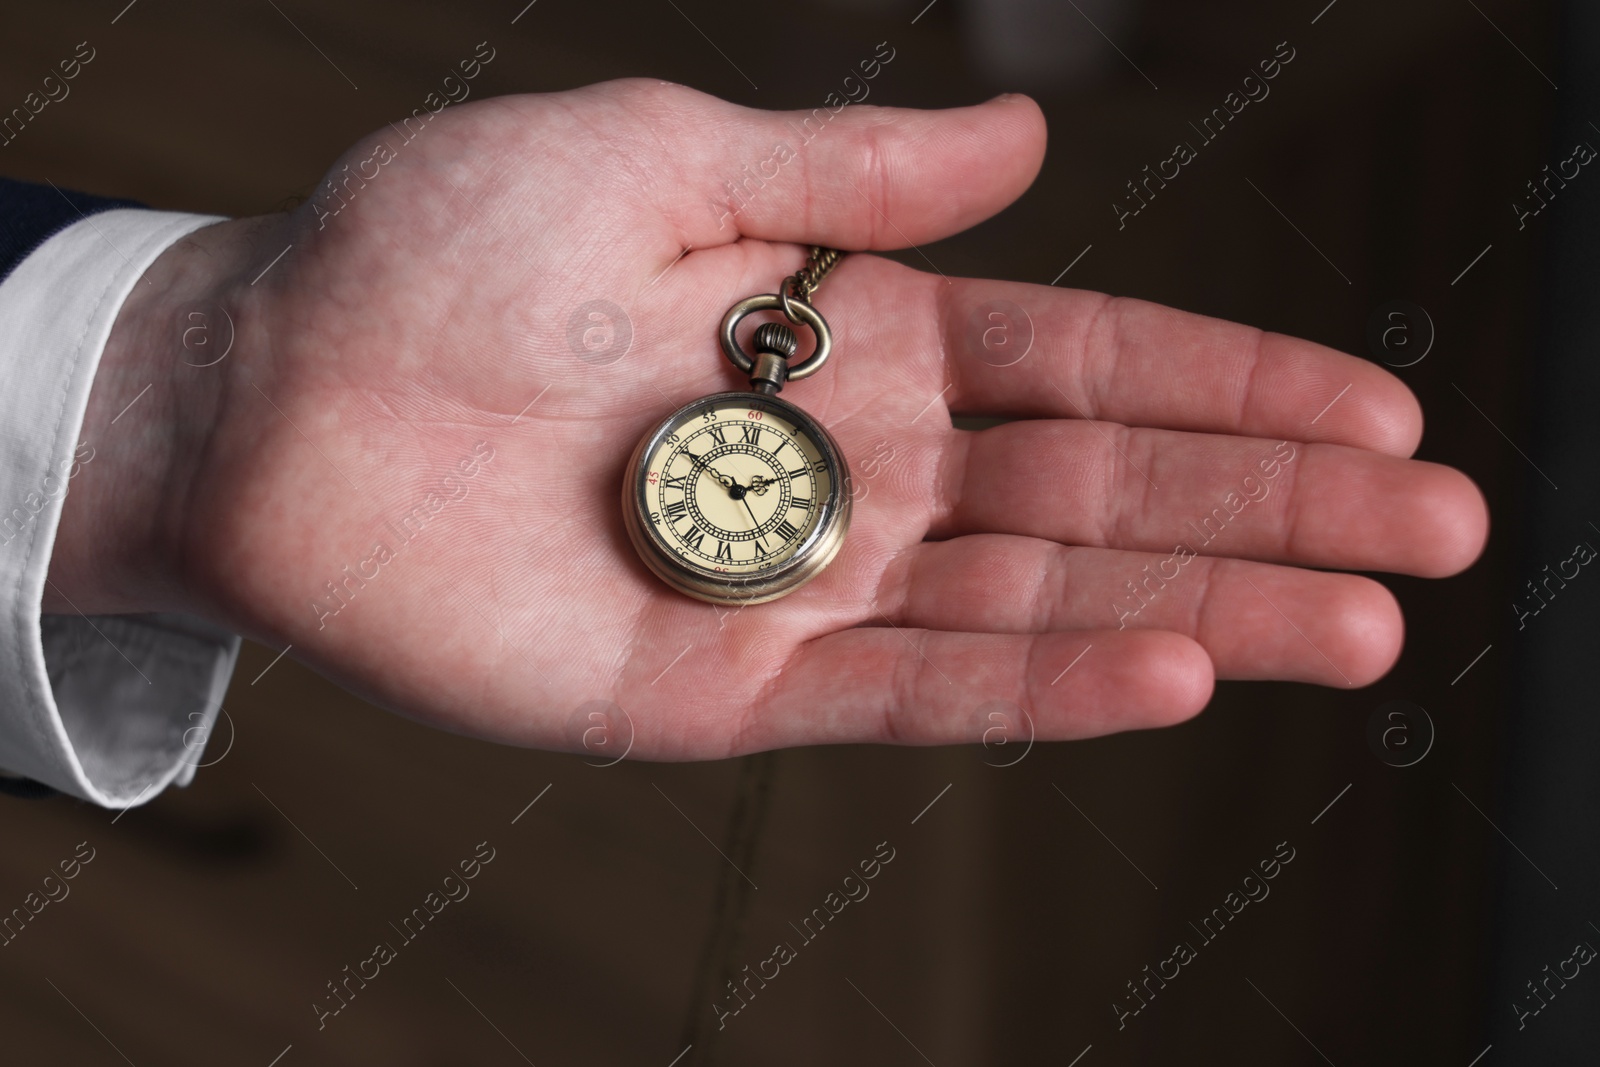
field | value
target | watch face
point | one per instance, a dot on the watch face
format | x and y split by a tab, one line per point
735	491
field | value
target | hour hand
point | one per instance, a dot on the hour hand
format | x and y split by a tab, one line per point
759	484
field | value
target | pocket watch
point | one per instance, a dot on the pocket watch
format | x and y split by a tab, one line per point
741	497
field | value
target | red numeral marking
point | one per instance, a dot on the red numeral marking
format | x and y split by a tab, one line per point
757	415
653	476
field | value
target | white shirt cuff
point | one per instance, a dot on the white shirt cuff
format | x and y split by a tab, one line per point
108	708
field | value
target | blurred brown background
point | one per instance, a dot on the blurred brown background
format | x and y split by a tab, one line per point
1012	916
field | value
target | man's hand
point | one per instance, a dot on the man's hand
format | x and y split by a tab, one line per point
409	465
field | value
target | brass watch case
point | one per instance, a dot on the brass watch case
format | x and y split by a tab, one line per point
818	549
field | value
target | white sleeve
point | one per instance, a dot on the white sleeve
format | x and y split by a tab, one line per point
110	708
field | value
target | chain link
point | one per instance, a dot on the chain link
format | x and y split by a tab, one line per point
805	281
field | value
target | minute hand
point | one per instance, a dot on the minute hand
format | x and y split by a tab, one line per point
701	463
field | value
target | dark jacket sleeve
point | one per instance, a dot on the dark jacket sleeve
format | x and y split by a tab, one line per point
30	214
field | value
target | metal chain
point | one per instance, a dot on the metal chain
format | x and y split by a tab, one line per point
805	281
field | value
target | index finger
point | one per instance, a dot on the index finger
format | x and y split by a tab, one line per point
1077	354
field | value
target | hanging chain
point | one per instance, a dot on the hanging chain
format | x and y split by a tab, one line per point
803	282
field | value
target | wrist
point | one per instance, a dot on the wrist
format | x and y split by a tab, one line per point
125	539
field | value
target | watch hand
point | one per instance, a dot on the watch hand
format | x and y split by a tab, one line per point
741	489
706	467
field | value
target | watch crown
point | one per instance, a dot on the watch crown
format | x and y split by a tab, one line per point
776	338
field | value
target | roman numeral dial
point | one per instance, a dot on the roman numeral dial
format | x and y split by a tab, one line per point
737	484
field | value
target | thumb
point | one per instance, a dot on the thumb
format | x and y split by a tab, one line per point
850	176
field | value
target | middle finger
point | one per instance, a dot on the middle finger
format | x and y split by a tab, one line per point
1110	486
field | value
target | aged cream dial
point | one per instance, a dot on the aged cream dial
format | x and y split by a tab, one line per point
736	488
738	497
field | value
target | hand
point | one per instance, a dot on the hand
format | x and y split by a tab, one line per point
405	470
755	523
721	479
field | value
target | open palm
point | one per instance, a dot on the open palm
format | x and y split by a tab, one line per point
416	464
